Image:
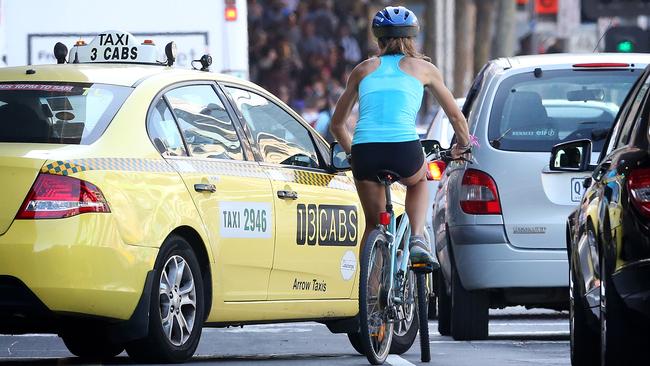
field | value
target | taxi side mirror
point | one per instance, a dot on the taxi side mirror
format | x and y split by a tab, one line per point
339	159
430	146
572	156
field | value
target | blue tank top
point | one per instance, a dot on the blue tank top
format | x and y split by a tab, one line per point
389	100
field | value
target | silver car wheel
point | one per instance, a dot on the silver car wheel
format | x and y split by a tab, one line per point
177	300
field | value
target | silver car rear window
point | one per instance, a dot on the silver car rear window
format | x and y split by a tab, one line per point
58	113
533	113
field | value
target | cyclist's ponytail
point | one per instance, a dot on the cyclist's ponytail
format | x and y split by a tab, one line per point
397	45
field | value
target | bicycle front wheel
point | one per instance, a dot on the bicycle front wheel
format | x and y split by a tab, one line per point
375	327
423	295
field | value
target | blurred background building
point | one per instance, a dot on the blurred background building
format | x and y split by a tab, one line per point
303	50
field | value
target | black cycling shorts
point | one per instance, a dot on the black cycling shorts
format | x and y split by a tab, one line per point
403	158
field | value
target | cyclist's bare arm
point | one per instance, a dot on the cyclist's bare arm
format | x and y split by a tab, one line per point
347	100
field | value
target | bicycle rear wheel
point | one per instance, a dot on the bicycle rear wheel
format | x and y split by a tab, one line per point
376	329
423	294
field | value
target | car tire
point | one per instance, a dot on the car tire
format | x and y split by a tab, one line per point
444	305
584	341
93	345
620	340
175	338
355	341
469	311
432	312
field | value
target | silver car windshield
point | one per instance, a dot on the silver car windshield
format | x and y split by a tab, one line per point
534	113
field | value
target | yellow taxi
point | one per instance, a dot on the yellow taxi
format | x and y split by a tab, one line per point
141	202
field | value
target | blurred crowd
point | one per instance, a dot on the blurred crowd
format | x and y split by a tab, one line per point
303	52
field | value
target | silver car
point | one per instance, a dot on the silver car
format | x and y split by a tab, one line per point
499	223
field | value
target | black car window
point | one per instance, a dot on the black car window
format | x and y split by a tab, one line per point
163	130
280	138
535	111
58	112
633	115
206	125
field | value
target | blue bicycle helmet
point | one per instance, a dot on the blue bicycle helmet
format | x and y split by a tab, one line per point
395	22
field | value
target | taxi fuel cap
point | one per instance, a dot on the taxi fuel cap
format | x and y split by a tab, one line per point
114	47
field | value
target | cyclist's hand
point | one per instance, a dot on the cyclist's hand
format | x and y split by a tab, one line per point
460	154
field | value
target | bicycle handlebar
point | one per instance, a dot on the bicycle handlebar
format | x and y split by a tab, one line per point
445	155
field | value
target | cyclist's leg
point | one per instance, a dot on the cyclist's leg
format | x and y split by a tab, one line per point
416	207
417	194
373	201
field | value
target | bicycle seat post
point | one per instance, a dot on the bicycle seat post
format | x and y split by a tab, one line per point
389	201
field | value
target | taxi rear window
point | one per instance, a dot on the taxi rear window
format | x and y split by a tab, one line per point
58	113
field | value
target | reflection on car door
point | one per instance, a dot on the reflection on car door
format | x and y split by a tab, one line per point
318	222
232	195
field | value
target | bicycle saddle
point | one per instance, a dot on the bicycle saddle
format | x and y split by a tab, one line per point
388	177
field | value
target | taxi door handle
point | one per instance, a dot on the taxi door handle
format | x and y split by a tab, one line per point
288	195
205	188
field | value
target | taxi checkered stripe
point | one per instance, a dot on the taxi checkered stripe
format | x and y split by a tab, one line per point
235	169
122	164
312	179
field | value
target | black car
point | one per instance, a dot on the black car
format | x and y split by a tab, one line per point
608	238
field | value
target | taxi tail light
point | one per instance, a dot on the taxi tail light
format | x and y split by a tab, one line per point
59	196
638	184
478	194
435	169
384	218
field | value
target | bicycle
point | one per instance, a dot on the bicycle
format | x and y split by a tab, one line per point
384	269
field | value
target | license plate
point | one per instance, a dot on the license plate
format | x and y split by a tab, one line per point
577	189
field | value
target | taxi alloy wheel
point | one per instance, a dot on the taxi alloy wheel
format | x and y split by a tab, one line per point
177	300
177	308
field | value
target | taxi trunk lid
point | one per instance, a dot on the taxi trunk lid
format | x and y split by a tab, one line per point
18	171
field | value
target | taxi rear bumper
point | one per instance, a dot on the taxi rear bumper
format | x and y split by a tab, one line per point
73	268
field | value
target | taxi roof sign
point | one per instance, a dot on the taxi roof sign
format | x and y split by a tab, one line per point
114	47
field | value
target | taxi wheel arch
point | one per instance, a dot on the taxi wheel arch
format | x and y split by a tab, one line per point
198	246
177	257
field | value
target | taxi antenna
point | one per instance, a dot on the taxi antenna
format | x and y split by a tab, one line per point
205	60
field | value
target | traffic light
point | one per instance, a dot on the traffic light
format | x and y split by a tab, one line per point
626	39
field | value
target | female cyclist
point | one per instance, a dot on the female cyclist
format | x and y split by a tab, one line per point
389	89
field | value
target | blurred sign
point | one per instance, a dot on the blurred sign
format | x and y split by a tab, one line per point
547	7
610	8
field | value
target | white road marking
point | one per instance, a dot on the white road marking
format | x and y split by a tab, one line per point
396	360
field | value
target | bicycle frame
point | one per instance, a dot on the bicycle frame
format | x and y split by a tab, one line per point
395	234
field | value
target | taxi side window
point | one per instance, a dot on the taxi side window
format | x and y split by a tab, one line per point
205	123
280	138
163	131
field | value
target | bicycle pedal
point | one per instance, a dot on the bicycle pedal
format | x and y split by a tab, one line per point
422	268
